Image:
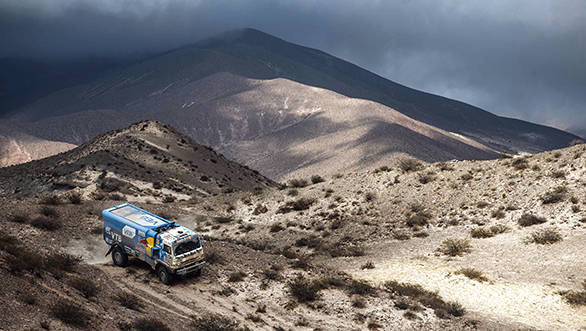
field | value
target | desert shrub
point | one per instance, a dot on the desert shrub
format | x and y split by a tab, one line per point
358	303
576	298
339	250
444	166
149	324
499	228
214	322
401	235
482	204
23	259
420	218
529	219
297	183
427	298
272	273
407	165
558	174
466	177
481	232
556	195
276	227
28	298
545	236
168	199
370	196
359	288
420	234
317	179
53	200
455	247
367	265
297	205
86	287
129	300
45	223
111	184
303	290
62	261
425	178
583	220
260	209
498	214
520	164
19	218
116	196
74	198
472	274
49	212
292	192
70	313
236	276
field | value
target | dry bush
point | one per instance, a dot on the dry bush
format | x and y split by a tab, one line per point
520	164
71	313
61	261
297	205
19	218
407	165
276	227
558	174
304	290
150	324
427	298
49	212
367	265
557	195
466	177
455	247
419	218
317	179
293	193
370	196
86	287
481	232
74	198
214	322
401	235
529	219
236	276
499	228
498	214
53	200
297	183
444	166
359	288
426	178
45	223
272	273
472	274
129	300
260	209
545	236
575	298
358	303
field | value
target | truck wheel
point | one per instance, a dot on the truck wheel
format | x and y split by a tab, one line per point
164	275
119	257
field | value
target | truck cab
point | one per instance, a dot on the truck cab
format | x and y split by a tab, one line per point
170	249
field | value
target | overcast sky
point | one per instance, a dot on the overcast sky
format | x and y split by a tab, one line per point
522	59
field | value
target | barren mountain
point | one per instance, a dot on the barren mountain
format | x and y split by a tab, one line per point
282	108
146	156
457	245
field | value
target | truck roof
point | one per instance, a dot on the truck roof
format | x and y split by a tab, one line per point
138	216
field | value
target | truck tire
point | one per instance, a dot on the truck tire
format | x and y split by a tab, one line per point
164	275
119	257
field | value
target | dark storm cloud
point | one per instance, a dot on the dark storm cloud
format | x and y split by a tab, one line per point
522	59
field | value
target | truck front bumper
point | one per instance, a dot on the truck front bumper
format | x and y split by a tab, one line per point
190	268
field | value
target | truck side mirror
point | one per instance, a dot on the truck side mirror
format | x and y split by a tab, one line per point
156	251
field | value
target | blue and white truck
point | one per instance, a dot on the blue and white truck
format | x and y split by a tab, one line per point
170	249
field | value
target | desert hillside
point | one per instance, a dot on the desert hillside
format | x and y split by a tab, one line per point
281	108
458	245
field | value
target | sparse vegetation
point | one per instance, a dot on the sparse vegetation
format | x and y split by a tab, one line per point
303	290
408	165
298	183
129	300
367	265
545	236
554	196
53	200
75	198
214	322
86	287
529	220
45	223
481	232
472	274
455	247
297	205
575	298
236	276
520	163
317	179
71	313
428	299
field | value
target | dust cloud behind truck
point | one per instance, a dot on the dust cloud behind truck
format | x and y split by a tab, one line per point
169	249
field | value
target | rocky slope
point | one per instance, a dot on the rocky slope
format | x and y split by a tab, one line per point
280	107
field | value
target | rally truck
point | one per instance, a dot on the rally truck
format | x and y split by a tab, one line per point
170	249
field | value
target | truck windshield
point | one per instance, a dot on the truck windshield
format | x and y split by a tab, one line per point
187	247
